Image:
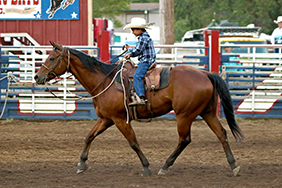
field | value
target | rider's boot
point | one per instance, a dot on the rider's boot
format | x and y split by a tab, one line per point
137	101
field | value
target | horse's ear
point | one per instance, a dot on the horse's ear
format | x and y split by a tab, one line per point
52	43
56	46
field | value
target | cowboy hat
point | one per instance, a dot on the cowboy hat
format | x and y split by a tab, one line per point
138	23
279	19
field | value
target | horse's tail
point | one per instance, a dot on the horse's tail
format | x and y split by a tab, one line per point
224	94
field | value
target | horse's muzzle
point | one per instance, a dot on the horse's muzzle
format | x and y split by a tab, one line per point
40	80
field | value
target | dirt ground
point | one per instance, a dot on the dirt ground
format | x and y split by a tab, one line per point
45	154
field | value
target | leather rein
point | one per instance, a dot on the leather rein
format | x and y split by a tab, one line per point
59	59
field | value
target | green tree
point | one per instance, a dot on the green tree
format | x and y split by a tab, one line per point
109	9
195	14
190	14
144	1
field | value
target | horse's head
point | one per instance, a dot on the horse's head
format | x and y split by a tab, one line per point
55	65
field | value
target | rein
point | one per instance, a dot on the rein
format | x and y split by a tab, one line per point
92	97
82	98
116	56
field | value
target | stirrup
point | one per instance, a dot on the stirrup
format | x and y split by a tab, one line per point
137	101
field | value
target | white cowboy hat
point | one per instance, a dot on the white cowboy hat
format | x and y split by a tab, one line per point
279	19
138	23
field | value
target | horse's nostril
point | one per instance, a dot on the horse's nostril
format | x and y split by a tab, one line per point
35	77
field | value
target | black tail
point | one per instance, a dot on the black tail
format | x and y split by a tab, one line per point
224	94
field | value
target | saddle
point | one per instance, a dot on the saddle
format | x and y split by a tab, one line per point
156	78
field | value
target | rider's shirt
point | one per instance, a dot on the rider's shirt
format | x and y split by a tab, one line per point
144	49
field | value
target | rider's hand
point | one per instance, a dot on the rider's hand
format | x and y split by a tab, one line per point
127	56
126	46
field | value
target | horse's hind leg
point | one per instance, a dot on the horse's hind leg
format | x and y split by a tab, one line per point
184	132
100	126
220	132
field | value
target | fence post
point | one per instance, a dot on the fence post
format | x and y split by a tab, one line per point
211	38
212	41
103	45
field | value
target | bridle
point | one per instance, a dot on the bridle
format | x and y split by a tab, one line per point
59	59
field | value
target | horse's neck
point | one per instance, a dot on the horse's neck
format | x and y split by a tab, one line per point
91	81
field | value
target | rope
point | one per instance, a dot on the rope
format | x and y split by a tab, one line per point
124	95
84	98
9	77
15	79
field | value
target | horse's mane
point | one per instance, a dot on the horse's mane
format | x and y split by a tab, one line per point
93	64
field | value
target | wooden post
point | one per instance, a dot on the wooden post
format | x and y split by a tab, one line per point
166	13
89	22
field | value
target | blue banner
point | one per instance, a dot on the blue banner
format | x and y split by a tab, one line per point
60	9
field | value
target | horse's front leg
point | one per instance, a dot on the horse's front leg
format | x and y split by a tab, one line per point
129	134
100	126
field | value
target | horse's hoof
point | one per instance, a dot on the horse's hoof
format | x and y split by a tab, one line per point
236	170
146	172
81	167
162	172
79	171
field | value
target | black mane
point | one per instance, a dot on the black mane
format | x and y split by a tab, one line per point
93	64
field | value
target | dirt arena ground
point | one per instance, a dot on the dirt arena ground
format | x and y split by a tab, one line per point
45	154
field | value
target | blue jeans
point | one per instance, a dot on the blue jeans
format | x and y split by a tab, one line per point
137	78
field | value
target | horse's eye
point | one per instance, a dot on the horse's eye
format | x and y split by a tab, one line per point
52	58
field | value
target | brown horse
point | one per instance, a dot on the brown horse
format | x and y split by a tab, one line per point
191	92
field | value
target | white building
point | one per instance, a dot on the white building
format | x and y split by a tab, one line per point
148	11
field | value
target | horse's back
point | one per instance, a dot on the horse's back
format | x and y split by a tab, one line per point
189	75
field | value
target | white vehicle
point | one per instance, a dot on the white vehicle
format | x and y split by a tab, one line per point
225	29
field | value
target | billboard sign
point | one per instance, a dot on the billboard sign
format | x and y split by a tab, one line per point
39	9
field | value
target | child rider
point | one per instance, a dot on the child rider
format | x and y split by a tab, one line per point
145	51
